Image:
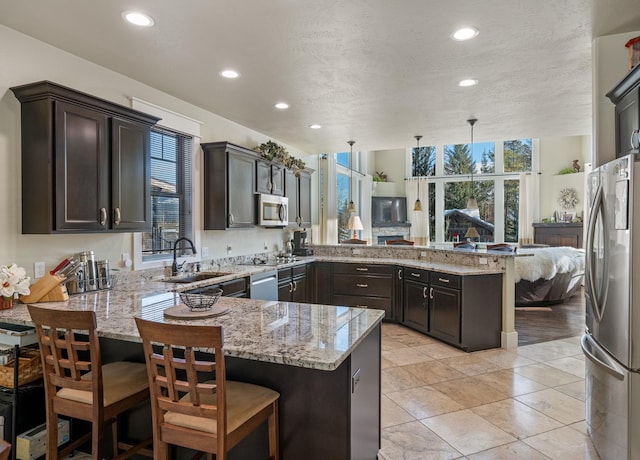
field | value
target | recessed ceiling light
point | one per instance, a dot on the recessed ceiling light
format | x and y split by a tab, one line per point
468	82
315	126
465	33
282	105
137	18
228	73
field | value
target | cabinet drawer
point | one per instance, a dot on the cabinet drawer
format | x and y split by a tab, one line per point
284	274
378	286
299	270
379	303
415	274
445	279
234	287
362	269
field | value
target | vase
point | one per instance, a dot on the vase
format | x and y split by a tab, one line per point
6	303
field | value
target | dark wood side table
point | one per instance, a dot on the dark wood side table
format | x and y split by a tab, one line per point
559	234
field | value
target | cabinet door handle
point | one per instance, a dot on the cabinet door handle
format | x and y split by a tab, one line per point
295	286
400	274
103	216
362	285
116	216
362	306
230	219
635	134
416	275
424	292
291	287
269	186
443	280
299	220
362	269
431	293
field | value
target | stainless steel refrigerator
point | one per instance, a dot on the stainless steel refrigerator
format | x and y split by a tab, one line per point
612	293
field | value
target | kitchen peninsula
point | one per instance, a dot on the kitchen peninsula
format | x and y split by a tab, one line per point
324	361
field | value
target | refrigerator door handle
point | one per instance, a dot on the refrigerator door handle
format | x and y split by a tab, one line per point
590	284
600	357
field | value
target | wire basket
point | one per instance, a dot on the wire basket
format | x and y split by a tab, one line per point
199	301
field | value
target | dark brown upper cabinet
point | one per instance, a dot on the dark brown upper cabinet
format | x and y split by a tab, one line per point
270	178
298	190
85	162
233	175
229	186
626	96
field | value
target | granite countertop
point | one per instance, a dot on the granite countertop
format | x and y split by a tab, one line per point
297	334
451	269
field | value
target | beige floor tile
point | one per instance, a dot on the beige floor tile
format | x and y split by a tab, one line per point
580	427
424	402
569	365
510	383
404	356
471	364
433	372
467	432
538	354
575	389
439	350
557	405
516	418
514	450
390	343
399	378
385	363
573	341
505	359
470	391
414	441
561	346
392	414
546	375
563	444
414	339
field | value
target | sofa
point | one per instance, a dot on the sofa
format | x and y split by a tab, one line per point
547	276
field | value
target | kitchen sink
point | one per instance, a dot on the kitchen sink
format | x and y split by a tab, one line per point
197	277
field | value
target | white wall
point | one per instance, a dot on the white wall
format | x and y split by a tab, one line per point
25	60
555	154
392	163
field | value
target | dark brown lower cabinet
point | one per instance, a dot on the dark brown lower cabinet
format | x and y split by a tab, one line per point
416	305
292	284
364	286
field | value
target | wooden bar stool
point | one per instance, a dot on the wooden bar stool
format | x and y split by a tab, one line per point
77	385
211	416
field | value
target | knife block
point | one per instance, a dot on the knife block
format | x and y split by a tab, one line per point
49	288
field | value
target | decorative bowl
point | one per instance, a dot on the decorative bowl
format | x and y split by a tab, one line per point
200	301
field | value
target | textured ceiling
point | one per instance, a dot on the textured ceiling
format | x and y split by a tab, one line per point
376	71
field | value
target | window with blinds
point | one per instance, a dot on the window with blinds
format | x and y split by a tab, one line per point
170	193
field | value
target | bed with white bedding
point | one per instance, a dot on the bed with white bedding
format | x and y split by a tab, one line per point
548	276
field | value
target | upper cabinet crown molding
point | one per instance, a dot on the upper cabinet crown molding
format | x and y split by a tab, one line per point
85	162
49	90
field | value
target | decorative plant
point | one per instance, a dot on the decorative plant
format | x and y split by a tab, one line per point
567	170
273	151
380	177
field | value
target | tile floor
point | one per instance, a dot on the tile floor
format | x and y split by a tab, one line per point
441	403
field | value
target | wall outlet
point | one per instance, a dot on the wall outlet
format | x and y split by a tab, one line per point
205	251
265	246
423	253
38	269
356	251
229	248
483	261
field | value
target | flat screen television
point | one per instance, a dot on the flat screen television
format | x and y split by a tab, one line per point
386	210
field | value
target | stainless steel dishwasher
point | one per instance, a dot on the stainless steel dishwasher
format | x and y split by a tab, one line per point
264	286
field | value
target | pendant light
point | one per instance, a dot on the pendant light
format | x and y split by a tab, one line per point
471	202
417	206
352	207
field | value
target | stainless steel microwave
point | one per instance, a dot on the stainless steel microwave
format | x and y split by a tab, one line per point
273	211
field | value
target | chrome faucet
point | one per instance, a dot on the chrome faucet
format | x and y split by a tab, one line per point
174	265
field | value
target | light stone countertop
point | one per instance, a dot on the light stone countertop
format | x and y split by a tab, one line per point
297	334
